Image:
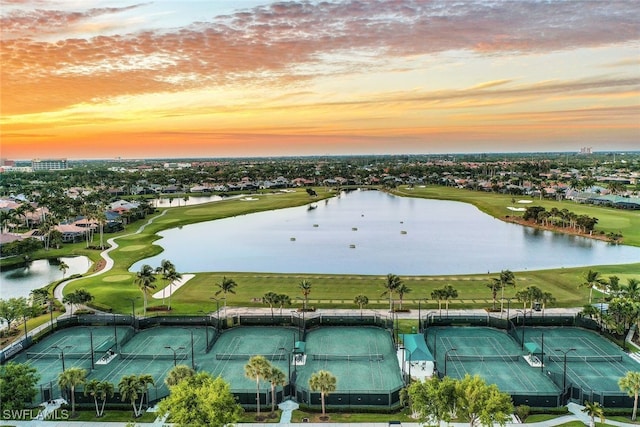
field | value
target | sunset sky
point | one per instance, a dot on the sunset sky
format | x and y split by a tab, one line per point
218	78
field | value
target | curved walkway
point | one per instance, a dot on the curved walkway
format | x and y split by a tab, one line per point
57	292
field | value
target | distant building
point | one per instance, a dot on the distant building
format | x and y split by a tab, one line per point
585	150
49	164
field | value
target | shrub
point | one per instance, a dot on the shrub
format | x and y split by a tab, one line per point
523	411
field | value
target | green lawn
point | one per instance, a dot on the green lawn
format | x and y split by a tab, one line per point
113	287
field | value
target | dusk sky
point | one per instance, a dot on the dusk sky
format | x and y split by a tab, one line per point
104	79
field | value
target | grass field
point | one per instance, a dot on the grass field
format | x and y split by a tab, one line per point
113	287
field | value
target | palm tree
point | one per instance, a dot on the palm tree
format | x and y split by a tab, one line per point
305	287
592	280
177	374
99	390
402	291
144	381
361	301
507	278
172	276
325	383
283	299
547	298
270	298
165	267
449	293
392	282
63	266
226	286
632	290
275	377
144	280
438	295
593	410
258	368
129	389
631	384
70	379
495	286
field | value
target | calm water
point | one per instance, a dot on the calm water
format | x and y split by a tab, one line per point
370	232
18	282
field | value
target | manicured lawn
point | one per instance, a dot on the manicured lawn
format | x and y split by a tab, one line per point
114	416
348	417
626	222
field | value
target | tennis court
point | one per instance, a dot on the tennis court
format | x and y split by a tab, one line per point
593	362
144	352
363	359
236	346
490	353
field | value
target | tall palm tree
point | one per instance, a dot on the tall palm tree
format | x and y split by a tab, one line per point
129	389
283	299
226	286
70	379
593	410
172	276
99	390
449	293
507	278
164	268
547	298
325	383
632	290
361	301
305	287
438	295
145	280
144	381
392	282
402	291
177	374
270	298
63	266
258	368
275	377
631	384
592	279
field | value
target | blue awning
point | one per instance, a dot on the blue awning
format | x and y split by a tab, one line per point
416	348
531	347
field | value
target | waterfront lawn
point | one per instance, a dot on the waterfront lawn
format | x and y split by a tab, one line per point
610	220
113	287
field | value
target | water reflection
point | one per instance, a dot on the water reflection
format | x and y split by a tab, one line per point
19	282
392	235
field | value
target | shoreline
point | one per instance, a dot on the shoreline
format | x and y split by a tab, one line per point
560	230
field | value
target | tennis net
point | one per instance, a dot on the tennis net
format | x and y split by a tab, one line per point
348	357
484	358
141	356
36	355
244	356
607	358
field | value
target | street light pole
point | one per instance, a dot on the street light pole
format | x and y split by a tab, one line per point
564	368
61	353
523	324
115	331
446	355
206	330
133	312
288	367
93	364
174	353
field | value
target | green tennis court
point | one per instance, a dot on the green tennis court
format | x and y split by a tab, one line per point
235	346
490	353
363	359
593	362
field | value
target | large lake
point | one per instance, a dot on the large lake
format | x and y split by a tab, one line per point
371	232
